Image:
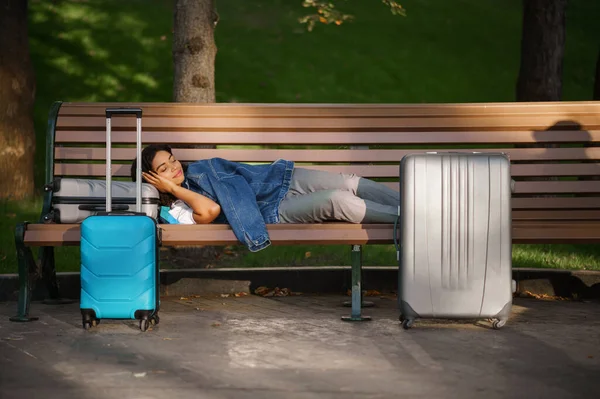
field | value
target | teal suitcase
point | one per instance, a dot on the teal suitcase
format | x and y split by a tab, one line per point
119	255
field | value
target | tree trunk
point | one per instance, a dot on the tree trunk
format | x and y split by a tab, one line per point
597	95
17	93
542	50
194	51
597	80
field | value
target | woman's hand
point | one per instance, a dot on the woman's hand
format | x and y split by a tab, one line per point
163	185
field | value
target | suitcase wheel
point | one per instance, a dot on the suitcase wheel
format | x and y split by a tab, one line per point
88	319
154	320
147	323
87	324
498	324
407	323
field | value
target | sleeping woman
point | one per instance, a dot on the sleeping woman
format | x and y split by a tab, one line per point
248	197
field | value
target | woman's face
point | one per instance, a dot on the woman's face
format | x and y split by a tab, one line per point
165	165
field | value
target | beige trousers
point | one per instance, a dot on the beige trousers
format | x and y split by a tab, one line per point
317	196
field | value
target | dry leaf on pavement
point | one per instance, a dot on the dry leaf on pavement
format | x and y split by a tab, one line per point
269	292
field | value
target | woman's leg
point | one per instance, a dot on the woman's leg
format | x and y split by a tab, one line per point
334	205
306	181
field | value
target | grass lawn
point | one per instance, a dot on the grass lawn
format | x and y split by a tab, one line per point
443	51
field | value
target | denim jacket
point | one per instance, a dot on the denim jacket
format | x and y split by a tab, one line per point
249	195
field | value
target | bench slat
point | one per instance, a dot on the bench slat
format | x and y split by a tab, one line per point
499	122
337	138
546	187
517	170
334	233
564	108
559	203
568	214
307	155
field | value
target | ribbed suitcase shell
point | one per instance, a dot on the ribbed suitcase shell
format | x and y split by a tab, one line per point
455	236
119	271
76	199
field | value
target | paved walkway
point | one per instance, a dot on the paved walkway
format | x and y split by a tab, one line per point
297	347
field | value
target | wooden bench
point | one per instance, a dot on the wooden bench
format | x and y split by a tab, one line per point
553	149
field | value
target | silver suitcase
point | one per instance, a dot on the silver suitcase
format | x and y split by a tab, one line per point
73	200
455	244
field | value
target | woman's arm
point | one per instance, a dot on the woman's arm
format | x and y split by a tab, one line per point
205	210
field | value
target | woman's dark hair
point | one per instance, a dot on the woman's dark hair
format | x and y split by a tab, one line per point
148	155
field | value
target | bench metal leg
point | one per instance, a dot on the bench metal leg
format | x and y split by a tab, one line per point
27	273
355	314
46	256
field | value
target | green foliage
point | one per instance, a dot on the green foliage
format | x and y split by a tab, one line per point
106	50
563	256
327	13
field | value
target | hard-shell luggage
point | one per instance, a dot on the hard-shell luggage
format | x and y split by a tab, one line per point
119	255
75	199
455	237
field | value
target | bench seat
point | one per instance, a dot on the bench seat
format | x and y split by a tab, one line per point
523	232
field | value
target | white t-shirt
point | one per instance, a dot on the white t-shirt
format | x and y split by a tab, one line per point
182	212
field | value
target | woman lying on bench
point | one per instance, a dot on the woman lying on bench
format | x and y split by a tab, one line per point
249	196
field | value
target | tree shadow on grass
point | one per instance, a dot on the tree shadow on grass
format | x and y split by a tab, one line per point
98	51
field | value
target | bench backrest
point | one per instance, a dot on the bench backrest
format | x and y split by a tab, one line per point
554	147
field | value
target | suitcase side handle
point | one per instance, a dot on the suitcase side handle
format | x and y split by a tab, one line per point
102	208
123	111
120	213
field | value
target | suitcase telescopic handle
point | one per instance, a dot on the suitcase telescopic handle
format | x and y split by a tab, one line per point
138	186
123	111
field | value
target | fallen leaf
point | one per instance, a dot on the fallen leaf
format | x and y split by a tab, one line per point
239	294
261	291
216	324
270	292
163	38
528	294
183	298
224	295
307	255
13	338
